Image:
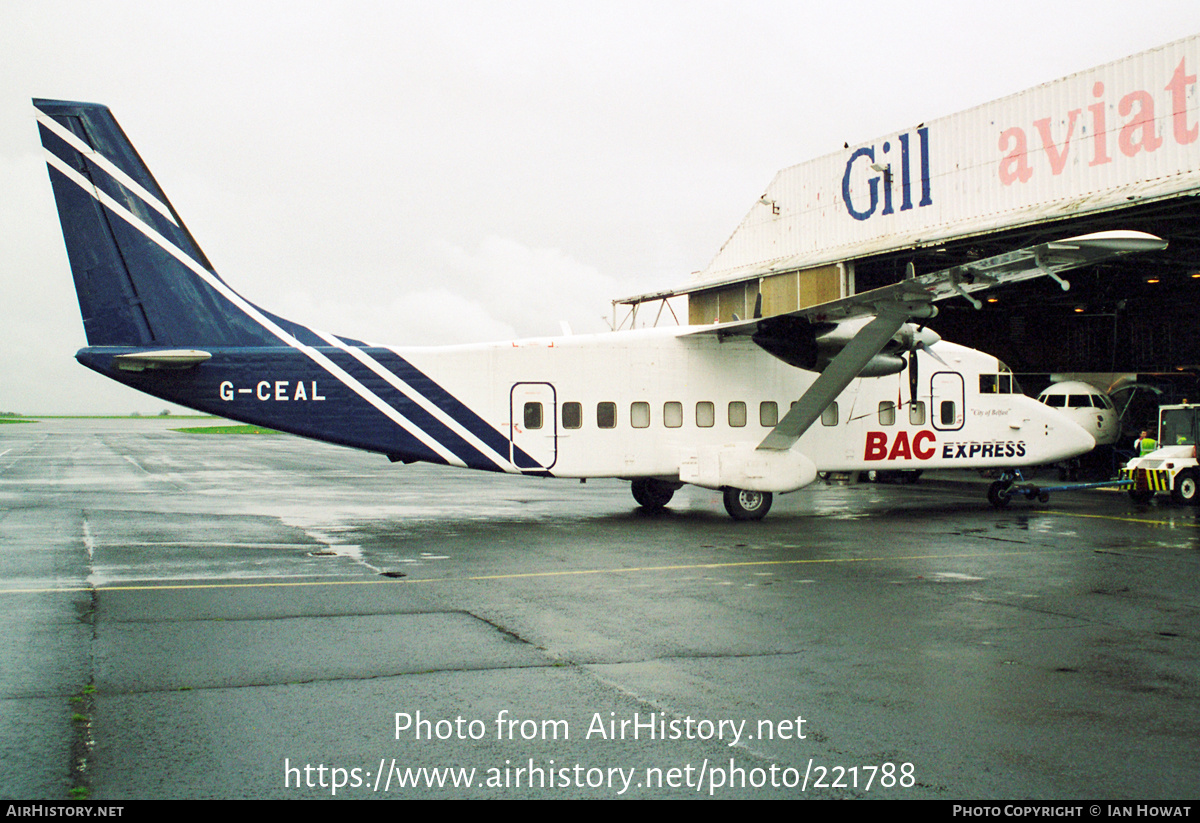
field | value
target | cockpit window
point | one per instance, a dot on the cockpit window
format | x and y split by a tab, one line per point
1008	378
1086	400
997	384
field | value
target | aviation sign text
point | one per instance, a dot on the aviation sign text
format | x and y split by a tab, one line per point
274	390
923	446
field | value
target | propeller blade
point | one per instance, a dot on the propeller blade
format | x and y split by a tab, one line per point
913	377
929	351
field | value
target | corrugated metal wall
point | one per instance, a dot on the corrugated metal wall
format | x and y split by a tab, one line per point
781	293
1119	134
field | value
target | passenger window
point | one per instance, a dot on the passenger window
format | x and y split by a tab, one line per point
887	413
916	413
768	413
737	414
533	415
672	414
947	412
606	415
639	415
706	414
572	415
829	417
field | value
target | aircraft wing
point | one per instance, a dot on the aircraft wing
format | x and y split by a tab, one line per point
792	336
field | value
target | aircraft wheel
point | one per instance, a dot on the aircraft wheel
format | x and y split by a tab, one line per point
747	505
1140	496
998	494
1187	488
651	494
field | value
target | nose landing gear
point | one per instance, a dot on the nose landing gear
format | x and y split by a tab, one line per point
1012	484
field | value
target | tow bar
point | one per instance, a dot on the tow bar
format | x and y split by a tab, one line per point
1012	484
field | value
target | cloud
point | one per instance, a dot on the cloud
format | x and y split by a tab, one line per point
531	289
447	294
426	317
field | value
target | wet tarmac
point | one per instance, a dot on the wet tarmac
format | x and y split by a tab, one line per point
264	617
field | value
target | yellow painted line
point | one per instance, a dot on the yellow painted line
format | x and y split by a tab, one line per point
525	575
1171	523
583	572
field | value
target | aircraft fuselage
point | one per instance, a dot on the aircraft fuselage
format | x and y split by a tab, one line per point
624	404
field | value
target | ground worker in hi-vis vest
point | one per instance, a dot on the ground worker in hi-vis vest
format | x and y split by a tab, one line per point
1144	444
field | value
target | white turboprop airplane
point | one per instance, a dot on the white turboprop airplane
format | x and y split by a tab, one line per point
750	408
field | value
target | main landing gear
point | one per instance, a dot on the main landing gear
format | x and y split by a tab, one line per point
747	505
652	495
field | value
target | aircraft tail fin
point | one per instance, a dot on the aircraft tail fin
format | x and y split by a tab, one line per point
140	277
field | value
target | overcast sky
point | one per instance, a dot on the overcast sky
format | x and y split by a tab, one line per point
445	172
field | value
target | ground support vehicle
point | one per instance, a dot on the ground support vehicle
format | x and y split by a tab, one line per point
1172	467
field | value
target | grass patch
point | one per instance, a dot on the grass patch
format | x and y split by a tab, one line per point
226	430
38	418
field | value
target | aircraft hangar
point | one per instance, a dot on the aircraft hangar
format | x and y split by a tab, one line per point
1107	149
1136	314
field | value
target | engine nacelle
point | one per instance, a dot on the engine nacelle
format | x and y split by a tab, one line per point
812	346
881	365
792	339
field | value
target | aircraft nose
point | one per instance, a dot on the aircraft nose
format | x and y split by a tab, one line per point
1067	438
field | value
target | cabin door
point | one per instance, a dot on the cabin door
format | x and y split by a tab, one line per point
948	413
533	426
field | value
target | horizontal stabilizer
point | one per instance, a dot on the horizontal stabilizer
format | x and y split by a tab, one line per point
162	359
